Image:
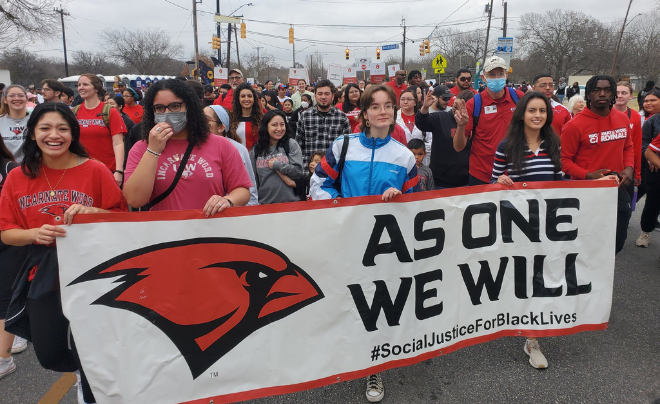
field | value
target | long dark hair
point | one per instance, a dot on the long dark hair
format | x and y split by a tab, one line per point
32	154
347	106
4	152
516	144
412	90
263	143
198	128
273	97
237	111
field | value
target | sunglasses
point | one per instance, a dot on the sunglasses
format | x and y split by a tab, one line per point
465	79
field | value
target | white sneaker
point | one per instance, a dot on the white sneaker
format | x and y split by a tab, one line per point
375	390
643	240
19	345
7	366
536	357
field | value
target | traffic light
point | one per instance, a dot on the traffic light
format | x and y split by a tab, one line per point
291	35
347	56
421	49
243	30
427	46
377	53
215	44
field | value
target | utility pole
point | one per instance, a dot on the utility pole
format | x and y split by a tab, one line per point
196	44
490	14
258	64
403	45
504	26
238	56
616	55
66	63
217	26
294	55
228	47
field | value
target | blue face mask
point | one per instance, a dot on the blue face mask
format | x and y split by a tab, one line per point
496	85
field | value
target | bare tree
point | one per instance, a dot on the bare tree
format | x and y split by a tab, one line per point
27	19
28	68
315	66
460	48
89	62
262	68
638	53
143	51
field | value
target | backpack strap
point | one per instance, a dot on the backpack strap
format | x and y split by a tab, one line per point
514	95
341	163
477	111
105	113
177	177
629	113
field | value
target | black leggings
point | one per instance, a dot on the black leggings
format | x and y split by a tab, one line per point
652	204
50	337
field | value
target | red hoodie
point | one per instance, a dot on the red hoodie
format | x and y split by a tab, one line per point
590	142
227	101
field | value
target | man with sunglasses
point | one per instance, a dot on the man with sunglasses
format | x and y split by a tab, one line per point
463	82
450	167
597	142
398	84
544	83
235	79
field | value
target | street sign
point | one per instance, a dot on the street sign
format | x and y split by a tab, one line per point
440	71
363	67
231	20
439	62
505	45
390	47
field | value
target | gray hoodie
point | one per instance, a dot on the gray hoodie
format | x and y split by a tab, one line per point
272	188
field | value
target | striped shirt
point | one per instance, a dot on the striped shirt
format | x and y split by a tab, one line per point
538	166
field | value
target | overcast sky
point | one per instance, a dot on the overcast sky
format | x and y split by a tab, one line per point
174	17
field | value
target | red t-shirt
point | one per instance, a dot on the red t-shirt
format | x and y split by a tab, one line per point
494	121
213	168
636	133
26	203
456	90
560	116
590	142
227	101
135	113
397	89
94	135
353	117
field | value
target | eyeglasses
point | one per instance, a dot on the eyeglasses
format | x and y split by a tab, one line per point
234	77
173	107
375	108
546	85
465	78
401	74
19	96
406	99
127	96
597	90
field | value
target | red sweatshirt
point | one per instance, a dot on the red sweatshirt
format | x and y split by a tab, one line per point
590	142
636	133
229	98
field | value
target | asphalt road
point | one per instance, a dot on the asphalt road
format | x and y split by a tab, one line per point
618	365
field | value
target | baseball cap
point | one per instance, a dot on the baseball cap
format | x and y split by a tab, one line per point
281	86
494	62
442	91
240	73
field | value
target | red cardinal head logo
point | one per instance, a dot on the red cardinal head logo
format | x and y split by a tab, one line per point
206	294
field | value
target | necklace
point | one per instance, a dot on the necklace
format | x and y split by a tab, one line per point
52	189
176	156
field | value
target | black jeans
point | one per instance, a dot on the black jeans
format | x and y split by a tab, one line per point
652	205
623	213
472	180
50	337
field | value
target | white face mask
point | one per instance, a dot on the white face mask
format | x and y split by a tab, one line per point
304	104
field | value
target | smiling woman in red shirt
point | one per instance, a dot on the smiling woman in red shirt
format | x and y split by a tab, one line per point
104	141
245	115
350	106
57	181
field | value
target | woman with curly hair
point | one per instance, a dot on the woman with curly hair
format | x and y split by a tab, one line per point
175	129
245	115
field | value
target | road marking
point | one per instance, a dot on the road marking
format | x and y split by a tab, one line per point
59	389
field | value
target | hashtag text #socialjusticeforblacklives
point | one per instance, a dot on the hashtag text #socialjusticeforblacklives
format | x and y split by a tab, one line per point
383	351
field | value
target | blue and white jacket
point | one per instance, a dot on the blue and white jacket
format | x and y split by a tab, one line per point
372	166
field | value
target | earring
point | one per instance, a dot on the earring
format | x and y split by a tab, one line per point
368	124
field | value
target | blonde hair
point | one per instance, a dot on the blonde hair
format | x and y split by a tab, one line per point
4	108
574	100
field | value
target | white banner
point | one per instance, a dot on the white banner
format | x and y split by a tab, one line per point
377	72
172	307
219	76
391	70
335	74
296	74
350	75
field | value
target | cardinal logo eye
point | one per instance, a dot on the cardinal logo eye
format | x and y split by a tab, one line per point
206	294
